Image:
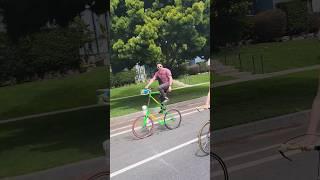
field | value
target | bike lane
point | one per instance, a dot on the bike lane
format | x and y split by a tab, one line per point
167	154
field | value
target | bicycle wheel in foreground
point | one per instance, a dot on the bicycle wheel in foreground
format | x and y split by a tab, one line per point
204	138
172	119
142	129
100	176
218	169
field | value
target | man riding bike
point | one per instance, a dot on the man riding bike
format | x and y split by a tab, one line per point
164	77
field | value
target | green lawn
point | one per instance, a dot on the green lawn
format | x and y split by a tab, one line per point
50	95
46	142
132	89
257	100
277	55
133	104
202	78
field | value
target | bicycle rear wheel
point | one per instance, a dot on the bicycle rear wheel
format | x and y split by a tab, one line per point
204	138
172	119
142	129
100	176
218	168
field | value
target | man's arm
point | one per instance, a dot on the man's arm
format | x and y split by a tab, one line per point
151	81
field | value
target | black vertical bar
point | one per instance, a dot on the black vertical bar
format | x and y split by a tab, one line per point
253	65
262	67
240	63
225	59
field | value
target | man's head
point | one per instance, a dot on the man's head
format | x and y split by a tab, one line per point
159	66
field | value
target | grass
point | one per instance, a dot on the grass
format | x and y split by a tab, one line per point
50	141
133	104
202	78
277	56
256	100
51	95
134	89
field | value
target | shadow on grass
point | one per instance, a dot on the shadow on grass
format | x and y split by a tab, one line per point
50	139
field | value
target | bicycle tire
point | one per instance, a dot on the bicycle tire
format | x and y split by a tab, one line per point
215	157
204	143
104	175
170	116
137	125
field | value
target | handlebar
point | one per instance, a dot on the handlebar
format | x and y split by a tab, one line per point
147	91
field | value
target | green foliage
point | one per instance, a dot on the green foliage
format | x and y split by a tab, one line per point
167	32
49	51
7	55
122	78
314	23
25	17
228	22
297	15
270	24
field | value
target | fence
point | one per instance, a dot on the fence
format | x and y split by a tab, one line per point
254	63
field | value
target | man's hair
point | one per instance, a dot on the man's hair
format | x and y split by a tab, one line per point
159	63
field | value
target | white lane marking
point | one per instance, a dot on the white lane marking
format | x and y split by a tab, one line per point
129	130
124	127
253	163
251	152
152	158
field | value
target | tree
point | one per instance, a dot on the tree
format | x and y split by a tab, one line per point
228	20
170	33
27	16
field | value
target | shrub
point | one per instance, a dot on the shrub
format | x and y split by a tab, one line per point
248	32
297	16
314	23
270	24
197	68
122	78
7	56
178	70
42	53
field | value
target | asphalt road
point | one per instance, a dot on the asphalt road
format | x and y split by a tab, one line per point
167	154
256	157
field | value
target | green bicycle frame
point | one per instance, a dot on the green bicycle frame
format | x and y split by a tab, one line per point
160	121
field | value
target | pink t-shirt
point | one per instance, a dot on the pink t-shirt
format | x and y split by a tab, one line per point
163	75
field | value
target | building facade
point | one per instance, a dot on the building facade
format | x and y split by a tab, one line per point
263	5
97	50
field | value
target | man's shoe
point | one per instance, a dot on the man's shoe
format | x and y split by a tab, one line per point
165	100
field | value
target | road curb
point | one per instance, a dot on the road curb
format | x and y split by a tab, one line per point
270	124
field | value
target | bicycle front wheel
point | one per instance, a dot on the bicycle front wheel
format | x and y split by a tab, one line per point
142	128
172	119
218	168
204	138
